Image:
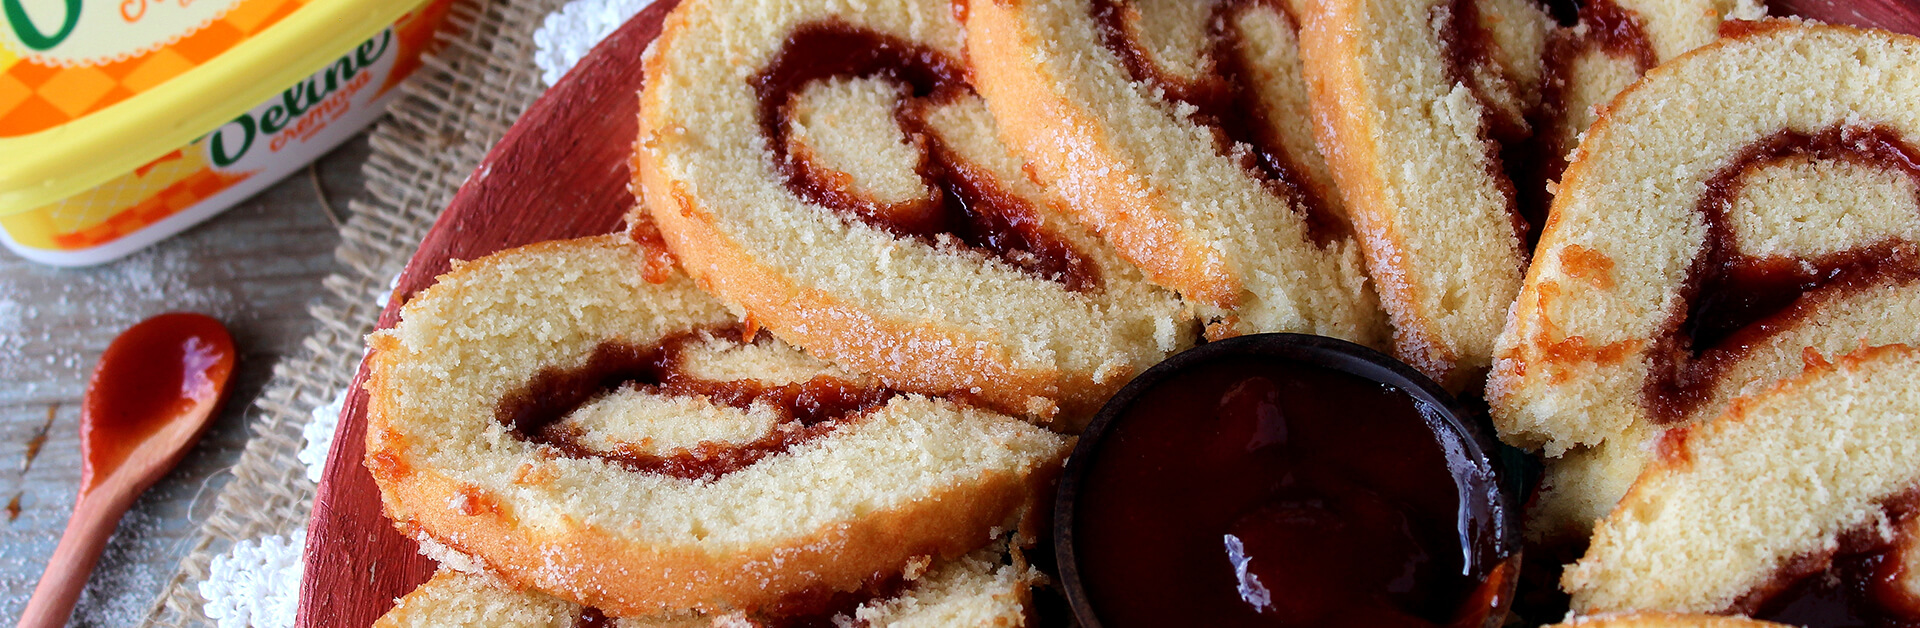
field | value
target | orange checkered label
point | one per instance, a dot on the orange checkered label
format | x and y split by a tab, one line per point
248	152
129	203
61	60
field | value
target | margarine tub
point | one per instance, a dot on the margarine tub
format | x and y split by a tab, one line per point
125	121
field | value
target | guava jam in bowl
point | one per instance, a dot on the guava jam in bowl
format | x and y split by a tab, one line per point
1284	480
122	123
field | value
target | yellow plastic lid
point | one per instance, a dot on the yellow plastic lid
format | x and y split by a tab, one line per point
90	89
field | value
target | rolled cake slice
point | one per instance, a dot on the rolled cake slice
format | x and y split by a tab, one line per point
1608	48
1664	620
1415	102
1180	130
1741	205
455	599
830	174
1801	496
629	446
979	589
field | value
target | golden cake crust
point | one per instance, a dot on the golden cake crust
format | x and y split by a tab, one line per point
1778	479
1414	153
1664	620
1580	361
981	589
924	317
647	543
1612	44
1132	162
969	363
452	598
1583	267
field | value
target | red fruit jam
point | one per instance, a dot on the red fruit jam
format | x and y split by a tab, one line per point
1259	492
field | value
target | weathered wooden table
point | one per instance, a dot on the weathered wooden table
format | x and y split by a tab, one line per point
255	267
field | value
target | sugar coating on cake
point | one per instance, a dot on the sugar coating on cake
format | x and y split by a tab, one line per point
1663	620
1412	121
1781	125
1168	182
453	598
1611	45
902	476
1778	478
979	589
1582	484
931	313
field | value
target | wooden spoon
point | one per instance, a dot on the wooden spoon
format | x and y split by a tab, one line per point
150	397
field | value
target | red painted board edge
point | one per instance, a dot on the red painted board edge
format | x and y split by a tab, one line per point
1900	16
559	172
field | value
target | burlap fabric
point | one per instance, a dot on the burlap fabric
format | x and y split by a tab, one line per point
447	116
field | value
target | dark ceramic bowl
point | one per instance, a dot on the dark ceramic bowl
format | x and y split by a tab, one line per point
1496	552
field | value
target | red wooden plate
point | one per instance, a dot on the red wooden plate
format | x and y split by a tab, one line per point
561	172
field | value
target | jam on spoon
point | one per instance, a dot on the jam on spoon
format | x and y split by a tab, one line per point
151	396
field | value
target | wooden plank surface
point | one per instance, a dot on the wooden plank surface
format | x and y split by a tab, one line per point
255	267
560	172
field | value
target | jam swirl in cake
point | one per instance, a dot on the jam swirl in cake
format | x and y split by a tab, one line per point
1224	99
968	204
1602	27
1733	300
808	410
1504	129
1859	583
